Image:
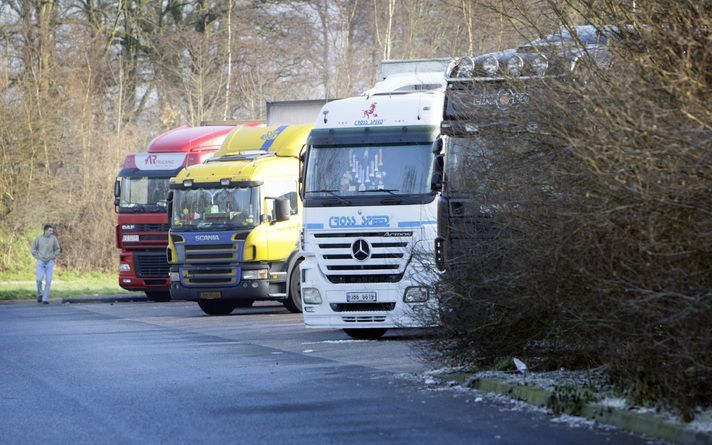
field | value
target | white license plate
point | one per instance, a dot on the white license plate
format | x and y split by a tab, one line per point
129	238
361	297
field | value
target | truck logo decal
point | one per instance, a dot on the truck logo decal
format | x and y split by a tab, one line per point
369	117
160	161
207	238
361	250
370	112
397	234
365	221
502	99
270	137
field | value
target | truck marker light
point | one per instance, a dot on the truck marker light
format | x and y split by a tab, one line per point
188	183
225	181
126	280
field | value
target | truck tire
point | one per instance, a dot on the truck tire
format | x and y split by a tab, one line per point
158	295
293	303
212	307
244	303
366	334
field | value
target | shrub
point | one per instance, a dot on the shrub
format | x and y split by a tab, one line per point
600	248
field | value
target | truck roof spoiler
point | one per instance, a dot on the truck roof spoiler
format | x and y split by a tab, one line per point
232	122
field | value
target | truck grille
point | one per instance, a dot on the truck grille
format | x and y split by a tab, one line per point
151	264
206	276
161	238
148	228
387	257
148	235
362	278
211	253
362	307
364	319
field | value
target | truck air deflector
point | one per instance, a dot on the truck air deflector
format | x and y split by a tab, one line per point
368	135
138	173
217	184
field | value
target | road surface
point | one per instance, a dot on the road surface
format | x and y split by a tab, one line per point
165	373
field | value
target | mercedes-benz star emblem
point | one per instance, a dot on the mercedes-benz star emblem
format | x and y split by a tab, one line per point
360	249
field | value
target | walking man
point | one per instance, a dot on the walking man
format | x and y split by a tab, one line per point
45	249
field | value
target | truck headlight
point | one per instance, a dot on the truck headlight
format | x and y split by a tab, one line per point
174	276
123	267
311	295
257	274
416	294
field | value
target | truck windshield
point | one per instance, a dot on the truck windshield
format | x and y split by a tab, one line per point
466	162
388	169
210	208
143	194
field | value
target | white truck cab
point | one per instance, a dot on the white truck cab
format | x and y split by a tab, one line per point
369	210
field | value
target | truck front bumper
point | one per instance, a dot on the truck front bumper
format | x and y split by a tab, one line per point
243	289
389	311
246	290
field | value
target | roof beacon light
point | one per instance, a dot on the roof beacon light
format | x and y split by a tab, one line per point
540	64
515	64
490	65
466	67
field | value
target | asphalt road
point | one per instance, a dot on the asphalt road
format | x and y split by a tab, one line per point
165	373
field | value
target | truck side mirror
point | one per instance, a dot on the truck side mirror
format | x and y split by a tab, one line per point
169	206
282	209
437	146
436	182
302	169
117	188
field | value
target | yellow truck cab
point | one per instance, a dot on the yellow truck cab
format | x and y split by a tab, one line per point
235	222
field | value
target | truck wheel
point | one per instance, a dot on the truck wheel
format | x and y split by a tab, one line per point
365	334
158	295
244	303
293	303
211	307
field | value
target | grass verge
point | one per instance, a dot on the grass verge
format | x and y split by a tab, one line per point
64	285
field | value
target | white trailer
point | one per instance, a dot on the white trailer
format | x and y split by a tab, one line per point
287	112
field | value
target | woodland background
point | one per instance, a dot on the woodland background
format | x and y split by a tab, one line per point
83	82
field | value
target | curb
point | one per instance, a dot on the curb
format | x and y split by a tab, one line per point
648	424
121	298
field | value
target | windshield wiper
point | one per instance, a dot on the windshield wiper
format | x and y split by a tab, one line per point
389	191
332	193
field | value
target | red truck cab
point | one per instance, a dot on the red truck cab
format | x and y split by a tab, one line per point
140	200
